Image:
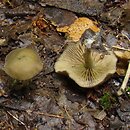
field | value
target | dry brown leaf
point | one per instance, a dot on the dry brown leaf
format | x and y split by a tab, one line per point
100	115
2	41
79	26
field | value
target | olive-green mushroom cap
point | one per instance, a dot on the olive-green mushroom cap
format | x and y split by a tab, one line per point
23	63
86	71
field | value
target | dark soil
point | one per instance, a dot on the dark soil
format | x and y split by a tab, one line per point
51	101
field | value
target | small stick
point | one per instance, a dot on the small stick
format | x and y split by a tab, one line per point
49	115
124	84
17	120
69	117
67	113
39	113
120	48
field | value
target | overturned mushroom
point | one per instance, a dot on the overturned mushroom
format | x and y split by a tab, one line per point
23	63
87	67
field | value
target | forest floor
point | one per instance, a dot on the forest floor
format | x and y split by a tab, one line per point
50	101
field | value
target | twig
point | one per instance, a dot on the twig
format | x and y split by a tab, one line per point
17	120
39	113
120	48
124	84
70	118
123	33
50	115
2	106
67	112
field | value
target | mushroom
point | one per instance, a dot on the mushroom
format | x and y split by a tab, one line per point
124	55
23	63
122	64
87	67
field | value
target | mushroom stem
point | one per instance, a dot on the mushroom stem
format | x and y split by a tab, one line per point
88	58
124	84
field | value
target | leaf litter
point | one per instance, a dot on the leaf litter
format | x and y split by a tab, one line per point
49	100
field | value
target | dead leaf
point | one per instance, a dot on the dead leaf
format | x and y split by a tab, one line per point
79	26
100	115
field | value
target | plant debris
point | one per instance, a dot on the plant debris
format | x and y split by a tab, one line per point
52	101
84	7
76	29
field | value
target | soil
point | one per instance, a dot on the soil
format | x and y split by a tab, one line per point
50	101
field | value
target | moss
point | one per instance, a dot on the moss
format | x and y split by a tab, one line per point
128	91
105	101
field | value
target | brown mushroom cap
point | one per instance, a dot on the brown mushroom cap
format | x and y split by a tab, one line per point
122	54
123	58
23	63
73	62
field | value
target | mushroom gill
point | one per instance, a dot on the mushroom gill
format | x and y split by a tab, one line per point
87	67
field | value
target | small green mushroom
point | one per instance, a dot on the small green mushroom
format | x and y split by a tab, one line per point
23	63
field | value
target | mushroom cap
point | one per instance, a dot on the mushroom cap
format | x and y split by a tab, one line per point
123	58
72	62
123	55
23	63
